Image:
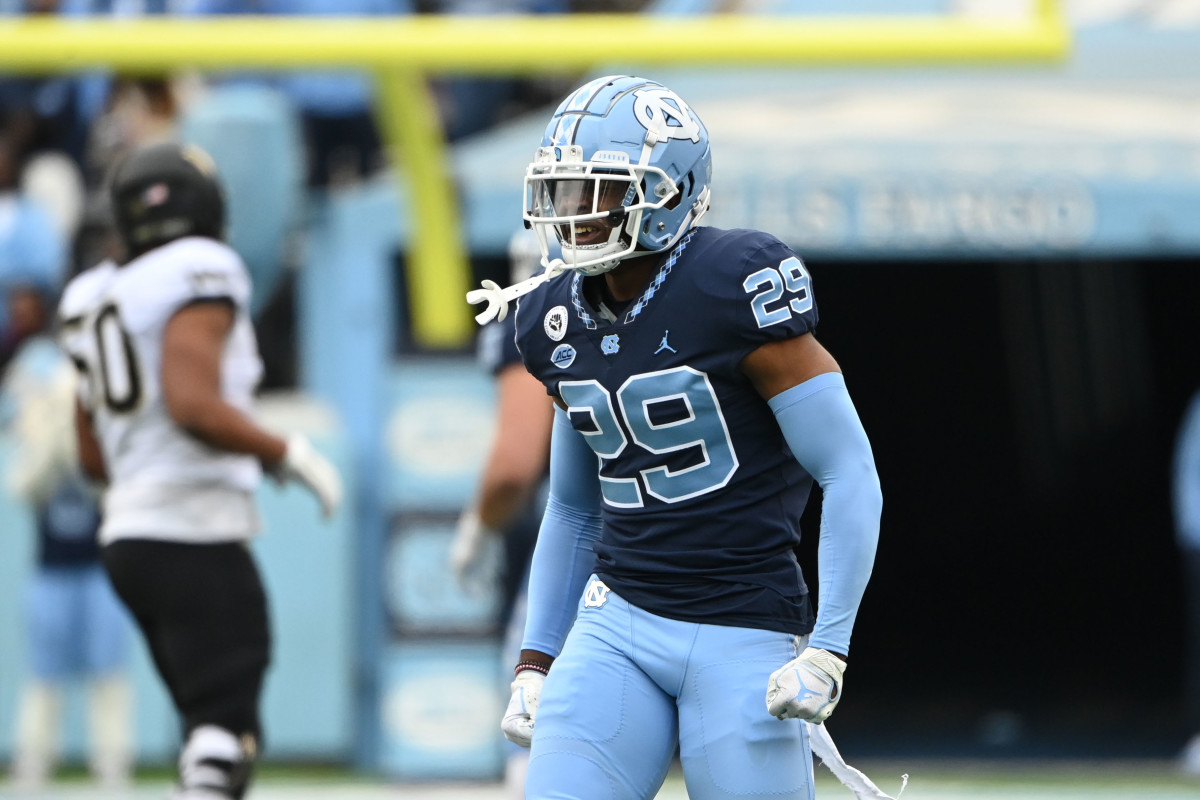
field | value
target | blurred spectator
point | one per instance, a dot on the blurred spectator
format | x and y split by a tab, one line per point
76	627
1186	497
54	183
470	104
31	250
52	112
63	131
138	112
335	107
96	239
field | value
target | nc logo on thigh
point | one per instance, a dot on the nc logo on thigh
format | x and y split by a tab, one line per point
596	594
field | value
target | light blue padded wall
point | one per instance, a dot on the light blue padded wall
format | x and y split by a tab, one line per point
307	564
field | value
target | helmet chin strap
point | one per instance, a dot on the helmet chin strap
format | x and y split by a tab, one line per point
497	299
700	207
698	210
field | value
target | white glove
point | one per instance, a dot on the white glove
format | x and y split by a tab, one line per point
467	548
808	687
302	463
522	707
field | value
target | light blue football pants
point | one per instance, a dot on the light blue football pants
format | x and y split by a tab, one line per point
630	685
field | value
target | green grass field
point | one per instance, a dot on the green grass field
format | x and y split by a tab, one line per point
928	780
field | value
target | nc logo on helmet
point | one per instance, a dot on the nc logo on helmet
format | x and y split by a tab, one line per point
665	113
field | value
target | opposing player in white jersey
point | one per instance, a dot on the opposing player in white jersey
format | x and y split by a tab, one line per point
169	363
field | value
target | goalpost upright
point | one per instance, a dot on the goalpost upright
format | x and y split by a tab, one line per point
403	51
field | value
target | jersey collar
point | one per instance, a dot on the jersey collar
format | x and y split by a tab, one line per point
643	301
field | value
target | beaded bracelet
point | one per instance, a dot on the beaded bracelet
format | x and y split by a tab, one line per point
524	665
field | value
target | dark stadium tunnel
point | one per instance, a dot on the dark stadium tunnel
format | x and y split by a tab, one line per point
1022	415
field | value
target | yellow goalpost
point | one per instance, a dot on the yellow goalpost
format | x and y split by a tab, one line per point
403	51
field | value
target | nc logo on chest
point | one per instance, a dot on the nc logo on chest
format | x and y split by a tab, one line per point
610	344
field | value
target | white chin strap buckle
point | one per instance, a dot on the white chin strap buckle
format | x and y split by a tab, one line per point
497	299
494	296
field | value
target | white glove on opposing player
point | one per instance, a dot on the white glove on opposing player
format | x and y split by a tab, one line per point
807	687
522	707
302	463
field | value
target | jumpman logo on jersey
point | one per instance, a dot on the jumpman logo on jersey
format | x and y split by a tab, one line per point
663	345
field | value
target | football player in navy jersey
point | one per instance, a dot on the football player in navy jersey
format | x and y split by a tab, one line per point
695	409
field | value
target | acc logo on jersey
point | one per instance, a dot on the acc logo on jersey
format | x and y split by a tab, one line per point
596	594
555	323
665	113
563	356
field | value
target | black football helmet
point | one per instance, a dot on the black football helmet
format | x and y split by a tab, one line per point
163	192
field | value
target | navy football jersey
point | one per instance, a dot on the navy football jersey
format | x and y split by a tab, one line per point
67	525
701	496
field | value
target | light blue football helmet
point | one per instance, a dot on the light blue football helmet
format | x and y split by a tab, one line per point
626	151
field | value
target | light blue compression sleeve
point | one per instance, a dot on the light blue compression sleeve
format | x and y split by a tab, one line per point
563	558
822	429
